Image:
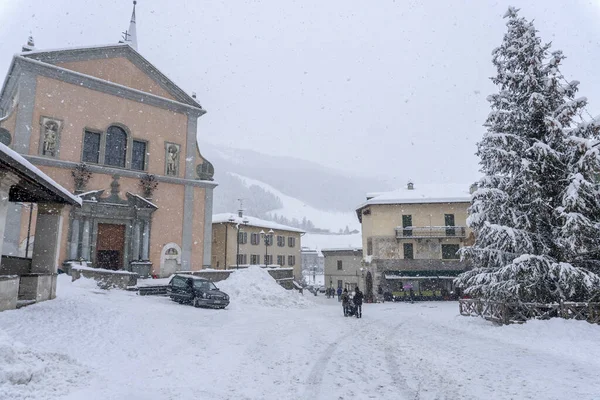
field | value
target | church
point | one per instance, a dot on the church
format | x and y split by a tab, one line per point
106	124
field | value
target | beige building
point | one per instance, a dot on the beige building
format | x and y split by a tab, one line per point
411	236
344	268
106	124
259	242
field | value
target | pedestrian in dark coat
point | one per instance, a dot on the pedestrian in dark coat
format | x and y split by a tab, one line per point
339	293
358	300
345	302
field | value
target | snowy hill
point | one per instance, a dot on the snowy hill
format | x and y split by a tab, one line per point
293	188
295	209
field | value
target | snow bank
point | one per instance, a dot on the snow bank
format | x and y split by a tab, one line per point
254	286
25	374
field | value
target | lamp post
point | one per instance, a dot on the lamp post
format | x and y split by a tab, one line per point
266	238
239	229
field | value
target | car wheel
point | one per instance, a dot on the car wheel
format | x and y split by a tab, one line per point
195	302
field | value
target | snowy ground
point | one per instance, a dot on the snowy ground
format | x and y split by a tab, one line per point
273	344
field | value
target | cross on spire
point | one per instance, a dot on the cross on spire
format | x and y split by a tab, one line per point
130	35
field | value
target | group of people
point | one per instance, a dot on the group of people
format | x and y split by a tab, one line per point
352	306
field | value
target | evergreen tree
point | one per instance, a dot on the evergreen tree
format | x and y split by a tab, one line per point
535	212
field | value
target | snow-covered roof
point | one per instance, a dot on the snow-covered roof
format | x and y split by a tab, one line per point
421	194
251	221
353	249
24	167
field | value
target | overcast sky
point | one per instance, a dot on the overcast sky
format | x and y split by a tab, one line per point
389	88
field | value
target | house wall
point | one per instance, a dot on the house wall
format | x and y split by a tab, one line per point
350	274
219	232
81	108
379	228
118	70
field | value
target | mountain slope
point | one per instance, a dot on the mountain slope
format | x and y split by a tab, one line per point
288	187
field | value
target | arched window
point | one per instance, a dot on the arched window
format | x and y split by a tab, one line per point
116	147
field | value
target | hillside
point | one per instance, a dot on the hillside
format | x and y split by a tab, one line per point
273	186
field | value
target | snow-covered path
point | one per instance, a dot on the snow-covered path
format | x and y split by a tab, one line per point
93	344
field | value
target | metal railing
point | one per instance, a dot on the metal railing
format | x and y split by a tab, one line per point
417	232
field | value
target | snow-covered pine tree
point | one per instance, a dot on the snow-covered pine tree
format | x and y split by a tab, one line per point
536	211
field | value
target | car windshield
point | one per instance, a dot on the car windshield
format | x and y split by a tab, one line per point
204	285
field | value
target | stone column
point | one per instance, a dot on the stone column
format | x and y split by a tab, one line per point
136	241
4	188
146	241
85	240
74	244
46	246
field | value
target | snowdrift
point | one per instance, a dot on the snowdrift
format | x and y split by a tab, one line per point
25	374
255	287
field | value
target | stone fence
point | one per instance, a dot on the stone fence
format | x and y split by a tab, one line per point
107	279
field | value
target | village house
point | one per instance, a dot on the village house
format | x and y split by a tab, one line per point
107	125
344	268
239	241
411	236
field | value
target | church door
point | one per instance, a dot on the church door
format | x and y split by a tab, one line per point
110	246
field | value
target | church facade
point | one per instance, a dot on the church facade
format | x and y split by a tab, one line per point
107	125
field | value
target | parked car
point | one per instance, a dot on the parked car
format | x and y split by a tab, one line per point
199	292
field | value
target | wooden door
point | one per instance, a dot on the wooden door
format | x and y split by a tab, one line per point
110	246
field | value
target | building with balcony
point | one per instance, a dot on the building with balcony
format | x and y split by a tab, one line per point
411	236
239	241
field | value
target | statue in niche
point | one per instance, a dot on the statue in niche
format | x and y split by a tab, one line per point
172	159
49	136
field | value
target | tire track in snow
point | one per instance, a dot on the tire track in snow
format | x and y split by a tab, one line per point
315	376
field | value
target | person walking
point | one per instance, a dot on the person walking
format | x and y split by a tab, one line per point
339	293
345	302
358	300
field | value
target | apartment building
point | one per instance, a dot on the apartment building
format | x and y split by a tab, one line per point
344	268
240	241
411	236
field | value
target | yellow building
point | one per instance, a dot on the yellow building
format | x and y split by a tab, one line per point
259	242
106	124
411	236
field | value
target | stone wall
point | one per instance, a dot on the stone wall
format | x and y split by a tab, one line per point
9	291
37	287
211	275
106	279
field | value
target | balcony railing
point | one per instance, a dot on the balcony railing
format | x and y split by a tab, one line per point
420	232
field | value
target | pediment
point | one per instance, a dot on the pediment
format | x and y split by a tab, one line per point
118	64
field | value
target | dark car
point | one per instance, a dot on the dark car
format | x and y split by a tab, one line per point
197	291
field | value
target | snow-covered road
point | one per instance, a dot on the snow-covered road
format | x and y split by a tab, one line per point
93	344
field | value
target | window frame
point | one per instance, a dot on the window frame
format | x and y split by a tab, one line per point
145	167
291	241
340	265
454	255
128	145
280	241
100	149
411	252
255	238
291	260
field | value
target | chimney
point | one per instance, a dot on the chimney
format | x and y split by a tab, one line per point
410	185
240	213
193	95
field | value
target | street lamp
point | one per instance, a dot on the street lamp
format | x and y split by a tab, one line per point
239	229
266	237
